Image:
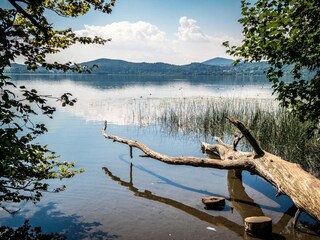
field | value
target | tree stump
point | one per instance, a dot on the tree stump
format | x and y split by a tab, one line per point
258	226
213	202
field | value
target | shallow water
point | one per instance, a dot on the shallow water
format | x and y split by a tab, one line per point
140	198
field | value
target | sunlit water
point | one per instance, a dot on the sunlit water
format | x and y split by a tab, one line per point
140	198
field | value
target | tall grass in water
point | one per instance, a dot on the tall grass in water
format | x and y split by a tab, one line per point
278	131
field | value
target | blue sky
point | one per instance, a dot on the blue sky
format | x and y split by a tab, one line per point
212	15
173	31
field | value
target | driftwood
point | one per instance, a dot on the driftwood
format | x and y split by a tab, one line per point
288	178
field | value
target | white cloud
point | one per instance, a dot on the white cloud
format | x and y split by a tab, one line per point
144	42
125	31
190	31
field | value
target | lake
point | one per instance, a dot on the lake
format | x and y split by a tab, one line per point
140	198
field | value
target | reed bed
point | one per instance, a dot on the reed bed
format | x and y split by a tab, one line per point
277	130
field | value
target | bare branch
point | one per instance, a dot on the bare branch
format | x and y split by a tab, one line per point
253	142
236	140
193	161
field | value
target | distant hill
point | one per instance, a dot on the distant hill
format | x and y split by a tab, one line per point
17	68
215	66
219	61
109	66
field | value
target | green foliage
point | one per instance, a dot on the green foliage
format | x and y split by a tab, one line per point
286	33
25	33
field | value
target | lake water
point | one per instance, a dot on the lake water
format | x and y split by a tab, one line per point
141	198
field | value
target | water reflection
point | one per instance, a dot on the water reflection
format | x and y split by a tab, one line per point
120	81
237	194
240	202
52	220
169	181
124	99
215	220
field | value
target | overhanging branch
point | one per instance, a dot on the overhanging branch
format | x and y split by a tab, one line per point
31	18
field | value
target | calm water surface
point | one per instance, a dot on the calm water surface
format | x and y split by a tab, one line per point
140	198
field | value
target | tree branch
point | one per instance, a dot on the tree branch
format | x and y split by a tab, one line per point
253	142
28	16
193	161
235	142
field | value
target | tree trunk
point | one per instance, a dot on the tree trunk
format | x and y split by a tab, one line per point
289	178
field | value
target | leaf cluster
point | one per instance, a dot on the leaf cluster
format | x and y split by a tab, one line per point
285	33
25	33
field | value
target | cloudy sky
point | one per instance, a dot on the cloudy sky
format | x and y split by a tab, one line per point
172	31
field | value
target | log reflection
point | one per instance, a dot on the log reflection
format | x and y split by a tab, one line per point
215	220
240	201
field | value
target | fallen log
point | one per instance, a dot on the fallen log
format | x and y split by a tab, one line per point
288	178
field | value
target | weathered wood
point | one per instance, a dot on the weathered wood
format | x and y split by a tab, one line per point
288	178
214	202
258	226
256	147
236	140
